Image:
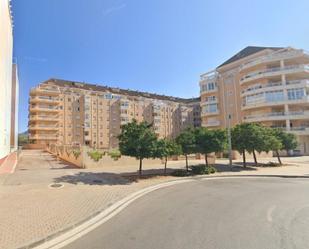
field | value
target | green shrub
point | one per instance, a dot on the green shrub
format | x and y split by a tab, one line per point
212	169
115	154
272	164
76	153
95	155
202	169
180	172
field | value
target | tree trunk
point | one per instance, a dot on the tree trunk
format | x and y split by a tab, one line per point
244	158
206	159
254	157
187	166
278	156
165	165
140	167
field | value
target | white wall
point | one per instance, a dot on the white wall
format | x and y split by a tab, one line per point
6	53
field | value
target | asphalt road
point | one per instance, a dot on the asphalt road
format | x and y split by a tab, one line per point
257	213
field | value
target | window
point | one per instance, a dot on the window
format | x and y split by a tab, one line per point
211	86
211	108
297	93
274	96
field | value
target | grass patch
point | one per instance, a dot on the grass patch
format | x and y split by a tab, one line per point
95	155
114	154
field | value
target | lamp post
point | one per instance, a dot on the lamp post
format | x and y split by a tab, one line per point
229	140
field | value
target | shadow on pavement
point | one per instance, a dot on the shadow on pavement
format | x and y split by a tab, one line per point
93	178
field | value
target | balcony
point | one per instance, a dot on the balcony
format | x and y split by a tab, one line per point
53	118
44	99
263	102
43	91
205	114
273	57
212	123
38	108
274	72
277	116
210	76
43	137
43	127
301	130
273	86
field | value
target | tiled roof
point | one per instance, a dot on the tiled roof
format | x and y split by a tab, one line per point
246	52
94	87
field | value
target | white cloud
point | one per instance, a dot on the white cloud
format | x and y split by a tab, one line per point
112	9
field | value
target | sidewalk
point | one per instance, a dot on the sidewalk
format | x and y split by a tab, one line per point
31	210
8	164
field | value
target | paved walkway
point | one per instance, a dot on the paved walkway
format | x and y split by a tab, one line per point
30	210
8	164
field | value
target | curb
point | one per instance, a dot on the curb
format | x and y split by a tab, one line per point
77	230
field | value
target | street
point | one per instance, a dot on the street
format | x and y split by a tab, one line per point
249	213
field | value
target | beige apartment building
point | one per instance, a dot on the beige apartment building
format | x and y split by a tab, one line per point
75	113
268	85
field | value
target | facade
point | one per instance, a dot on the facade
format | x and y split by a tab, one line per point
260	84
6	54
14	108
75	113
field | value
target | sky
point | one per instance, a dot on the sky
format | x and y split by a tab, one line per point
159	46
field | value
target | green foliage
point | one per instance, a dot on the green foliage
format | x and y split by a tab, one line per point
76	153
186	140
166	148
180	173
115	154
23	139
270	140
249	137
272	164
95	155
137	140
288	140
208	141
202	169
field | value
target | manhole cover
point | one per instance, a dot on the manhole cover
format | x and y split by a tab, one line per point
55	185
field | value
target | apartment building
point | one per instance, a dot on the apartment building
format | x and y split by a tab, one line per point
268	85
6	58
75	113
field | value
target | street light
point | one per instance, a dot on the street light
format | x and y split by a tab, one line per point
229	140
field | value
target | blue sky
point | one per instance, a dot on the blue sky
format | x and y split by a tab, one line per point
158	46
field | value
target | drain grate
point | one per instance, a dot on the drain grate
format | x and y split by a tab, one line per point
55	185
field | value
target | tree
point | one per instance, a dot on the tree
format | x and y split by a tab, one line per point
208	141
238	142
166	148
137	140
272	142
288	140
247	137
186	140
23	138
